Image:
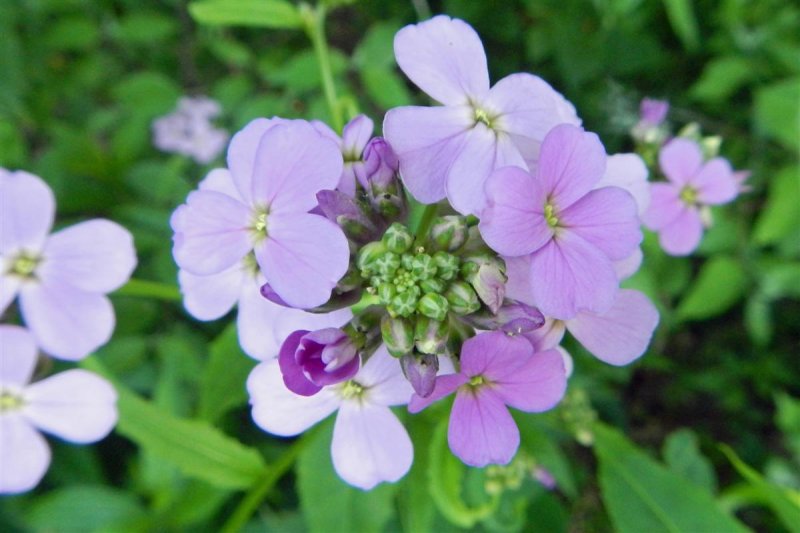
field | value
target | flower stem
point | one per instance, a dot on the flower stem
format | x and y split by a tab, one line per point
426	221
315	28
150	289
262	487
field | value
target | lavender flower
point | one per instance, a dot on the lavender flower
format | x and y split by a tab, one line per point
188	131
352	143
75	405
496	370
571	233
370	445
677	207
652	114
310	360
450	151
61	279
277	167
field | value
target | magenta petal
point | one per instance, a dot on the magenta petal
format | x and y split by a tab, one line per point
569	274
481	430
445	386
513	223
536	386
494	354
303	258
680	159
242	154
293	376
665	206
715	183
27	207
213	234
628	171
683	235
571	163
24	455
621	334
444	57
605	218
18	356
427	140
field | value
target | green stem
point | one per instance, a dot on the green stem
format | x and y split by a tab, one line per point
426	221
149	289
262	487
315	28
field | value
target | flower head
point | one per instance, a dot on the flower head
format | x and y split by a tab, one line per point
496	370
355	136
189	131
76	405
61	279
450	151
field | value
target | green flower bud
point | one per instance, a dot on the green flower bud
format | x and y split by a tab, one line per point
431	335
490	284
433	306
449	232
386	291
462	298
368	255
446	265
386	264
432	285
710	146
406	261
397	238
404	303
423	267
398	335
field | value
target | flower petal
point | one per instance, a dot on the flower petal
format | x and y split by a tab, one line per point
628	171
571	162
370	445
680	160
605	218
536	386
569	274
665	206
355	136
95	256
293	163
67	323
445	386
716	183
493	354
629	266
278	410
9	286
27	208
444	57
24	455
384	378
682	235
76	405
621	334
427	140
548	336
212	233
481	430
303	258
18	355
220	180
242	155
518	285
210	297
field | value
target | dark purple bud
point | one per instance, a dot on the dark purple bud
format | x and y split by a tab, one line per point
269	293
310	360
420	370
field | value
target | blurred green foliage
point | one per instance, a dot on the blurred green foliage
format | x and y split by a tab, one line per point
82	80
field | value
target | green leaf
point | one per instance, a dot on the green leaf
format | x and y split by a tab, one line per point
84	508
721	78
785	503
224	376
417	512
328	503
683	21
780	216
787	418
682	455
260	13
642	495
719	285
546	452
777	111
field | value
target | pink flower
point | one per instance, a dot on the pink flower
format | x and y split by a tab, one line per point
370	445
496	370
61	279
75	405
450	151
677	206
571	233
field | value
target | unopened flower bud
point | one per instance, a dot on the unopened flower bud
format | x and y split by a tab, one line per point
404	303
431	285
433	306
420	371
380	167
423	267
489	281
431	335
368	255
449	232
710	146
309	360
386	264
462	298
344	211
398	335
397	238
447	265
513	318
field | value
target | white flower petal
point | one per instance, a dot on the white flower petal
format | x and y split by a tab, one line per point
24	455
27	207
17	355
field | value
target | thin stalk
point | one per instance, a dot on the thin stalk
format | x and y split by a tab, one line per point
150	289
315	28
426	221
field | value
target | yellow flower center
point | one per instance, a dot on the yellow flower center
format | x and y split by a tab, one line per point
9	401
24	265
351	390
550	215
689	195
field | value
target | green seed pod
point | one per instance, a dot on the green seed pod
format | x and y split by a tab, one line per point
397	238
404	303
386	264
433	306
398	335
446	265
462	298
368	255
449	232
423	267
430	336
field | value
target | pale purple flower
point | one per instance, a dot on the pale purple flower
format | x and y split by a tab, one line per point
380	166
188	131
61	279
496	370
75	405
571	233
650	128
677	206
262	325
310	360
370	445
450	151
629	172
352	143
277	167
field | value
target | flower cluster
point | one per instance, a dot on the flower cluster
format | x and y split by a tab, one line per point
60	282
189	130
